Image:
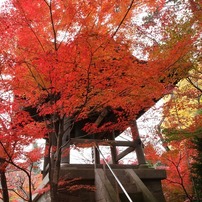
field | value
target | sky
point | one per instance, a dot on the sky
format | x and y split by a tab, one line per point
2	2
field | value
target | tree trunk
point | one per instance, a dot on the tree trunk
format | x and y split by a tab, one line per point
4	186
52	170
30	187
55	163
54	192
52	146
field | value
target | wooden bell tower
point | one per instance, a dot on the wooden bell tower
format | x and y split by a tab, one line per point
110	181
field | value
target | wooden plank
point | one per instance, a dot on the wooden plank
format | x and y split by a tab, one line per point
147	195
103	142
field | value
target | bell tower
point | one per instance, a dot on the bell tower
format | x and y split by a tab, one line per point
104	179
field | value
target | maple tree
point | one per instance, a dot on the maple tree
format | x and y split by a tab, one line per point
178	186
177	161
76	63
22	163
196	167
18	184
182	123
4	189
183	107
28	174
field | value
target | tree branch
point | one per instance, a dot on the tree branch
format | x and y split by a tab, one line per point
194	85
123	19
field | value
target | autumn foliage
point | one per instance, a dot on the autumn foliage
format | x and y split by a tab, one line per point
73	65
181	129
73	59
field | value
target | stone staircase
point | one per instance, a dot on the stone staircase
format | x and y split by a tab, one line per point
132	185
84	183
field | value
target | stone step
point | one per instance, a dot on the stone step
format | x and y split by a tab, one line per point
137	197
82	196
125	180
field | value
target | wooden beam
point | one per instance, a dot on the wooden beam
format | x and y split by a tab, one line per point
139	147
103	142
124	153
100	118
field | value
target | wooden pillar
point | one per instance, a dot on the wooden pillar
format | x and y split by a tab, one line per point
96	156
46	157
139	148
113	150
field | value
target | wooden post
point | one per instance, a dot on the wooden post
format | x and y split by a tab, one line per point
139	147
96	156
46	157
113	151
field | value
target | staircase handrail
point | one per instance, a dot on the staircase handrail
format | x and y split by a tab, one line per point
116	178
